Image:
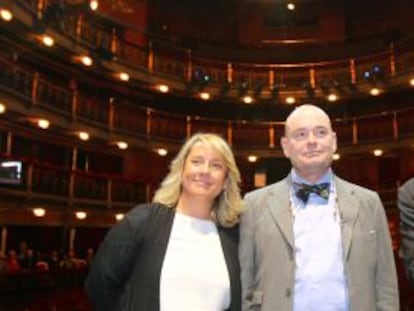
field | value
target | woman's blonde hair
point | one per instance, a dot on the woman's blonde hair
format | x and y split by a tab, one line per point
228	205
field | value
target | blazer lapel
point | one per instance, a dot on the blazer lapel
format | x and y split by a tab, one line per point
348	206
279	207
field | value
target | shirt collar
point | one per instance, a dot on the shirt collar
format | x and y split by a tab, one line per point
325	178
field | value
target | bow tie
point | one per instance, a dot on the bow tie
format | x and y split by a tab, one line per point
303	191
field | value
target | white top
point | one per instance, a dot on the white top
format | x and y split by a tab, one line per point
194	274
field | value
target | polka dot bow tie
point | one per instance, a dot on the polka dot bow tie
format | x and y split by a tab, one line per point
303	191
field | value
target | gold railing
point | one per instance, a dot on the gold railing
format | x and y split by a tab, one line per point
168	61
43	180
140	122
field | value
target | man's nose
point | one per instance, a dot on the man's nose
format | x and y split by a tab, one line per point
311	138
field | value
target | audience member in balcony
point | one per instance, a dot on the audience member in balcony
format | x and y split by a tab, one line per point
181	251
406	206
313	241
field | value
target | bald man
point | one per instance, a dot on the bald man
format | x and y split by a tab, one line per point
315	242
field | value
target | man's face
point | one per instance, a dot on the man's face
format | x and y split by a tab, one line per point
309	141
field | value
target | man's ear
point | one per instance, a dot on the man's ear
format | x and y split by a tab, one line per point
334	142
285	146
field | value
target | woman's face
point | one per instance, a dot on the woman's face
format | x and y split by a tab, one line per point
204	173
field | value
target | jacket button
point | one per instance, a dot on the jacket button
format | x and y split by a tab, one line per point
288	292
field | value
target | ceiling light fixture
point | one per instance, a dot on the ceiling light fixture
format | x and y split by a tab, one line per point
122	145
80	215
290	6
48	41
163	88
6	15
86	60
375	91
83	135
205	96
378	152
94	4
39	212
252	158
247	99
43	124
290	100
162	152
332	98
123	76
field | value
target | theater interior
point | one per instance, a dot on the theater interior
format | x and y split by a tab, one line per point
96	98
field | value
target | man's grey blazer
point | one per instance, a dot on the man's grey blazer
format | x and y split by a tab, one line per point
267	255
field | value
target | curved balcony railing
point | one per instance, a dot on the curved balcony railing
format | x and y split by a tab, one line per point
42	180
108	40
45	181
134	121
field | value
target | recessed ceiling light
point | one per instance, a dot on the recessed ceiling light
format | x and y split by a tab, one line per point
6	15
336	156
247	99
94	4
86	60
123	76
39	212
252	158
332	97
163	88
122	145
290	100
83	135
2	108
205	95
48	40
80	215
375	91
43	124
162	152
378	152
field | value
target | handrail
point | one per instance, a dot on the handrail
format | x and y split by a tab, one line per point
140	121
180	68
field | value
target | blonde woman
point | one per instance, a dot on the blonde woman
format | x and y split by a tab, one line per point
181	251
